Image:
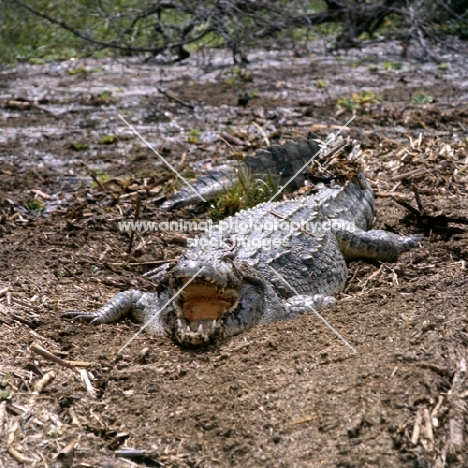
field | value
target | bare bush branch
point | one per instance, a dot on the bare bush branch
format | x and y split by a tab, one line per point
143	26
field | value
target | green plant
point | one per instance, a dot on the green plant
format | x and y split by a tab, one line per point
83	70
36	61
53	432
357	100
77	146
253	94
194	136
246	192
109	139
100	178
346	102
422	98
366	96
238	74
392	66
5	388
67	272
106	97
35	205
322	85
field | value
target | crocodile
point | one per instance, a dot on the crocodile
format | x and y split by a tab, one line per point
275	261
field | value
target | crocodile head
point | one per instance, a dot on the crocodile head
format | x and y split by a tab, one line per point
213	299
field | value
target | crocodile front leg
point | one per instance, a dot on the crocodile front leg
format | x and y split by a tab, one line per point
375	244
302	303
142	306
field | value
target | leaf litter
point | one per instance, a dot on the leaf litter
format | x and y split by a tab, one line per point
286	394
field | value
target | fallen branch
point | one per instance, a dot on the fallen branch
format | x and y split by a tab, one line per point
27	105
170	95
35	348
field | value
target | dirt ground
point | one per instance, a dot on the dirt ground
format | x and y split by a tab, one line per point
288	394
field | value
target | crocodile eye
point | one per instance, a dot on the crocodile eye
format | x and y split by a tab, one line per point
229	256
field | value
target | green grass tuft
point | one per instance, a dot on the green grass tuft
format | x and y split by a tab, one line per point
246	192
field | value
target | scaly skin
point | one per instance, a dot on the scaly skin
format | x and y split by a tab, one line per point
236	287
279	162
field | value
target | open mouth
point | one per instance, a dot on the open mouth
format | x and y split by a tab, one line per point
200	308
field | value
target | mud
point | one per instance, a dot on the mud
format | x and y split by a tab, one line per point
287	394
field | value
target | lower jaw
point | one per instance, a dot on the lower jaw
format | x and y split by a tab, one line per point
194	339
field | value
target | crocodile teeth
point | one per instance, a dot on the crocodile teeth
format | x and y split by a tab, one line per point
214	325
188	328
200	329
179	323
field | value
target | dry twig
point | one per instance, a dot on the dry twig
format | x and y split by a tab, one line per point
66	455
170	95
137	215
19	457
416	428
35	348
416	172
2	416
85	379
